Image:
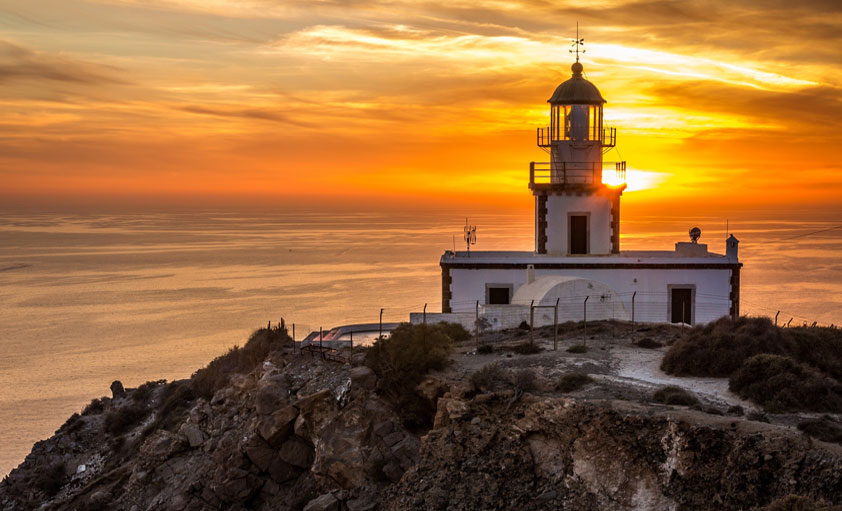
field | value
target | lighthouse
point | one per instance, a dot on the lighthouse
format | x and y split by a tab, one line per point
575	212
577	269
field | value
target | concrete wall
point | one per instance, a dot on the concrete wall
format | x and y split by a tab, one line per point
711	291
598	208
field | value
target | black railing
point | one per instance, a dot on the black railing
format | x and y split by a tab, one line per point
545	137
562	173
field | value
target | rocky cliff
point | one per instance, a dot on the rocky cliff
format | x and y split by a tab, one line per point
300	432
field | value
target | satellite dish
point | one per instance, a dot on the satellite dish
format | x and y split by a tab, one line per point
695	234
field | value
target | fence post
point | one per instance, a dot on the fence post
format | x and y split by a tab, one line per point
381	324
776	318
788	322
476	325
634	330
586	320
532	322
352	338
293	338
320	337
425	314
555	326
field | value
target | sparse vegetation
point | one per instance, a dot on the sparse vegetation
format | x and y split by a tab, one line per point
485	349
648	343
577	348
524	380
215	375
526	348
571	382
401	361
455	331
672	395
177	398
780	384
95	407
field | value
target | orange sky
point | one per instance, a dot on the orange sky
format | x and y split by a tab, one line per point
715	102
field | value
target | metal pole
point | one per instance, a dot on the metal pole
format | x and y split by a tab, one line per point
381	324
532	322
776	318
425	314
320	337
586	319
555	326
633	325
352	338
683	314
293	338
476	325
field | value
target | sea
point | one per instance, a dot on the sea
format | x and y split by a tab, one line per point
87	298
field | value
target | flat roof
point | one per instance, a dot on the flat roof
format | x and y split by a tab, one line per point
635	257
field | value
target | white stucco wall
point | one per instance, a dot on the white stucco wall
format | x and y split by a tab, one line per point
598	208
711	295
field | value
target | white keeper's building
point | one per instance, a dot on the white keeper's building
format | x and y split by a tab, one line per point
577	262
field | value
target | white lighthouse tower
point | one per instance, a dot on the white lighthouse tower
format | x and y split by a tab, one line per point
577	269
575	212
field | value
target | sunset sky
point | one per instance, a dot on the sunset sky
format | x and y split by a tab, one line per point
715	102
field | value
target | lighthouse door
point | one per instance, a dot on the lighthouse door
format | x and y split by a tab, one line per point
681	306
578	234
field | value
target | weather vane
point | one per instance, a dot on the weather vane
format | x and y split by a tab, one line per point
576	43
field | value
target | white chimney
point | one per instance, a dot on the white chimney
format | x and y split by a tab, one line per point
732	248
530	273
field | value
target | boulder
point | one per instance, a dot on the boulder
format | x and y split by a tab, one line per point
117	390
195	436
271	394
363	377
297	453
326	502
260	454
276	428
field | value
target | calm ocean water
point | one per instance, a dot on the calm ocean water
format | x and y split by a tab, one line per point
89	298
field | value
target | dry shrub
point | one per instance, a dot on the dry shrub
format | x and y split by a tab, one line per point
401	361
490	378
780	384
672	395
577	348
238	360
571	382
455	331
720	348
524	380
648	343
485	349
120	420
50	479
95	407
526	348
825	429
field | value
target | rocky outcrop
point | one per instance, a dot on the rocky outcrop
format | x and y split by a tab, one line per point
304	433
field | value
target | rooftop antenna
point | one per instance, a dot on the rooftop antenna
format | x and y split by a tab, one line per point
470	235
576	43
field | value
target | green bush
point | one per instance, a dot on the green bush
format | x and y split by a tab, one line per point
780	384
577	348
401	361
526	348
120	420
672	395
571	382
238	360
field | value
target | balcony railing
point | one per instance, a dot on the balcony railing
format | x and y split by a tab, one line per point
564	173
545	137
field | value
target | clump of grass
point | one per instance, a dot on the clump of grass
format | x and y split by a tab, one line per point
95	407
672	395
526	348
780	384
243	360
577	348
401	361
120	420
524	380
571	382
825	429
144	392
485	349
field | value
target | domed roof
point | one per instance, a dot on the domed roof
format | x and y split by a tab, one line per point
576	90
